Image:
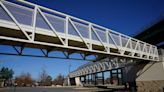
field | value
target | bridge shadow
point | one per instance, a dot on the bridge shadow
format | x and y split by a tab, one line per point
134	71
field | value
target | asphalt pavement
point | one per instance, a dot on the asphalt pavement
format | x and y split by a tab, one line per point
52	89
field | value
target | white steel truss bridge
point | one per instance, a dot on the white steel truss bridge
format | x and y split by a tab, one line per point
29	25
102	66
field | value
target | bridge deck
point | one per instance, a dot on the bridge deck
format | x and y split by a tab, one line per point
40	27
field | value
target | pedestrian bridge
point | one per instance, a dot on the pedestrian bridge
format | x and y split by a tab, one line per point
103	65
38	27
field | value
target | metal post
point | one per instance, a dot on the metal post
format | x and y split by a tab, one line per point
118	78
34	22
103	78
66	31
122	76
111	79
85	79
95	79
91	78
90	35
88	79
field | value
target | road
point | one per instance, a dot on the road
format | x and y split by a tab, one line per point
52	89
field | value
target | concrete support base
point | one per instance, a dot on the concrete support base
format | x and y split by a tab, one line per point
150	86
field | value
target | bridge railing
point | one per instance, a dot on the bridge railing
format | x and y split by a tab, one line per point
37	16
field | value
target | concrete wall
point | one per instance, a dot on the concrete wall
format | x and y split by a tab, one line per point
152	78
149	76
151	71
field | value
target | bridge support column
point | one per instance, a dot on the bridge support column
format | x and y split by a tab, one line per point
68	80
78	81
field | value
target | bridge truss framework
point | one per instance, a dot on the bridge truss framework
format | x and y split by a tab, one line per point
101	66
35	26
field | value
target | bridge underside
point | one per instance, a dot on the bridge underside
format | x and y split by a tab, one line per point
16	40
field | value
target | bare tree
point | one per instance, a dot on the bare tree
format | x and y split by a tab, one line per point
43	76
59	80
24	80
48	81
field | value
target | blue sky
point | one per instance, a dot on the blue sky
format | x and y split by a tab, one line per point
126	16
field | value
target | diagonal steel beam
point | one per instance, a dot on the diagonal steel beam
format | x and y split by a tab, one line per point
50	25
114	42
128	42
45	53
78	32
135	49
19	51
99	38
15	21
